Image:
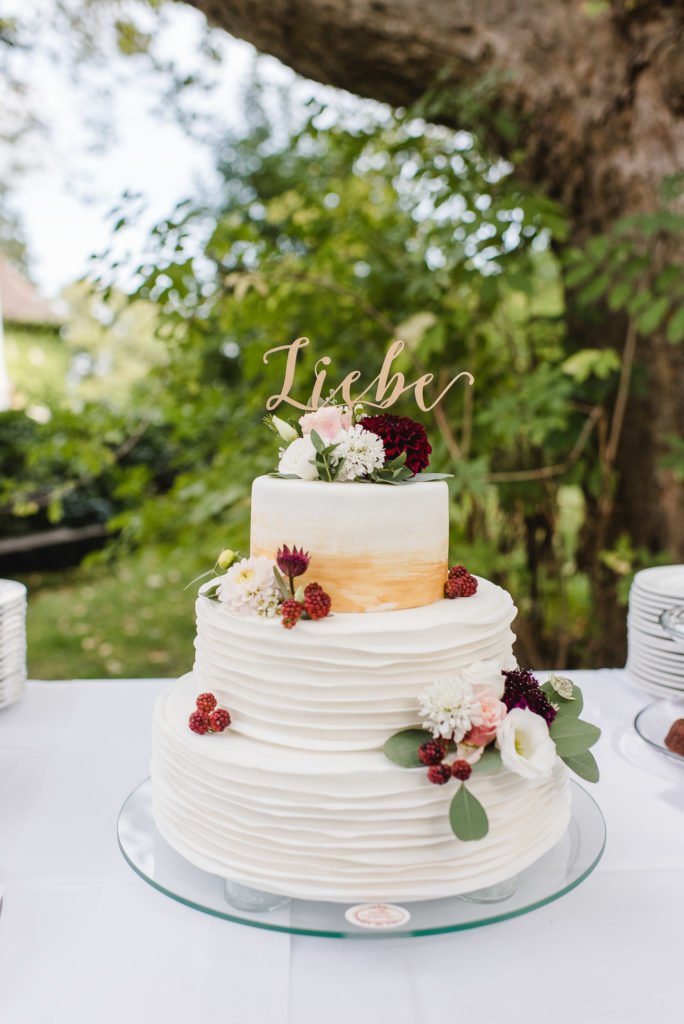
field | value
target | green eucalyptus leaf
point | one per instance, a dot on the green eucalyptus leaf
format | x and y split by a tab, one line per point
572	736
489	763
565	707
317	441
402	747
583	765
467	816
425	477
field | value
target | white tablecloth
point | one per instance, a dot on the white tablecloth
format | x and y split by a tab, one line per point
83	940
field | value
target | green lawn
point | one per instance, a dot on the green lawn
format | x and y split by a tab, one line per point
132	618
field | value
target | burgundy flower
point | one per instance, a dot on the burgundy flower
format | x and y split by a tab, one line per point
522	691
292	563
401	434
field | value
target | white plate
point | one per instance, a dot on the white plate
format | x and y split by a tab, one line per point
672	673
652	688
664	647
648	681
660	672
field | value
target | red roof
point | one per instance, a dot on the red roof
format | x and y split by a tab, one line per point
20	300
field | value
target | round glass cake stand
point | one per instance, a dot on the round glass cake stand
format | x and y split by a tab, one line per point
653	723
559	871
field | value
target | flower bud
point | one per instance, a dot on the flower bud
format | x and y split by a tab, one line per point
226	559
288	433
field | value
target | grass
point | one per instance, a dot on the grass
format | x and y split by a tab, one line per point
133	618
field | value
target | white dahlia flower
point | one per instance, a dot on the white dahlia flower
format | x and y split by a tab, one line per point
249	587
450	708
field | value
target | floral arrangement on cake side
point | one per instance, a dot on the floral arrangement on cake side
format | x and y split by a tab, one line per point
490	718
261	586
336	443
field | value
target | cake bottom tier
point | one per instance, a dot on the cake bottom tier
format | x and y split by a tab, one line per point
345	827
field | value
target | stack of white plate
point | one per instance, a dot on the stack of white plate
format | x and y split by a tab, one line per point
12	641
655	657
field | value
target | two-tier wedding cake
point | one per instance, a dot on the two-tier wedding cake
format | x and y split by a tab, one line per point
355	726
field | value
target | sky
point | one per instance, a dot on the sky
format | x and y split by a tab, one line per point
69	187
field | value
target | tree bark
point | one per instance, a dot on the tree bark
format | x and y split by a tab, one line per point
598	92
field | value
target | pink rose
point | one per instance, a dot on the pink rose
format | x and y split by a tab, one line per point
327	421
492	711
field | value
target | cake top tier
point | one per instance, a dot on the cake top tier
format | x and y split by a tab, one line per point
373	548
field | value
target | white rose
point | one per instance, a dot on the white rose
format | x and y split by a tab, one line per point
298	459
525	745
488	675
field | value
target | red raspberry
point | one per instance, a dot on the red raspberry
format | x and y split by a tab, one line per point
460	586
219	720
199	722
206	702
316	601
461	770
456	571
431	752
291	612
439	774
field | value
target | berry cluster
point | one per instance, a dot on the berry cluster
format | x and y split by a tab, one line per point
460	583
208	717
432	754
315	604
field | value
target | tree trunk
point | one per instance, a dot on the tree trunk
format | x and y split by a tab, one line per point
598	90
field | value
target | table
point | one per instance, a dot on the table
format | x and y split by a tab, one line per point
83	940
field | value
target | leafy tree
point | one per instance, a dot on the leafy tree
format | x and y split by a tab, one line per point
381	226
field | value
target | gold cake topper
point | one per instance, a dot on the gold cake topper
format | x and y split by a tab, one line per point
389	386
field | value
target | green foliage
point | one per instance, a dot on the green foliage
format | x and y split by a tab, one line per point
133	618
467	816
572	736
489	762
402	747
584	765
635	268
354	230
565	707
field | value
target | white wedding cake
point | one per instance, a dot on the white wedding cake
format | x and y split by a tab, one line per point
297	796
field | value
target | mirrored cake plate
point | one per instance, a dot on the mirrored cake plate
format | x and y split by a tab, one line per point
559	871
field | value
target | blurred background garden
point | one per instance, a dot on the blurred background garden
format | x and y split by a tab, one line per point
173	205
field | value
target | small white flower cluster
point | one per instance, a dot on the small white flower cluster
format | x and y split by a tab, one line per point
359	451
249	587
450	708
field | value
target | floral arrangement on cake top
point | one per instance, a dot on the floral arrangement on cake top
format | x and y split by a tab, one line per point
260	586
487	719
336	443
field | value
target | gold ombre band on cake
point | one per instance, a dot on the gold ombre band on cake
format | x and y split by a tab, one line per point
373	547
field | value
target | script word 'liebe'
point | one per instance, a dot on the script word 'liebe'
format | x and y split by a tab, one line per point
388	386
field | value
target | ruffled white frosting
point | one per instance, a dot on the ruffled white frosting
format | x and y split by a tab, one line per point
349	681
336	826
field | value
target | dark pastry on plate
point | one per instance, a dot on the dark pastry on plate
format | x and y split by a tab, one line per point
674	740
